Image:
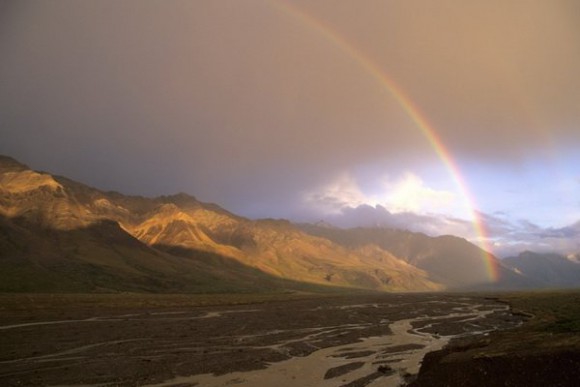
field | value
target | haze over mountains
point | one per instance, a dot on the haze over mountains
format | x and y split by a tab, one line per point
60	235
551	270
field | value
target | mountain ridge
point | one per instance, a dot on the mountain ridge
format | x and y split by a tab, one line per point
551	270
198	243
448	259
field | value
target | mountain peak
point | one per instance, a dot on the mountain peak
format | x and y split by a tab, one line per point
324	224
8	164
18	178
179	198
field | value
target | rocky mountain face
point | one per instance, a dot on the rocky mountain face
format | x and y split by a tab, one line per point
449	260
58	234
549	270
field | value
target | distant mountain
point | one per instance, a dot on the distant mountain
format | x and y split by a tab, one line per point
60	235
449	260
550	270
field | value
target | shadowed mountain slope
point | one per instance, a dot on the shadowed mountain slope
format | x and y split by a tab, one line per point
452	261
550	270
103	257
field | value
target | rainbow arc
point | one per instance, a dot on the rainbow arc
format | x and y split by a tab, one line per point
412	111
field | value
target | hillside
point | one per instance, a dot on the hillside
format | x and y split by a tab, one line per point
60	235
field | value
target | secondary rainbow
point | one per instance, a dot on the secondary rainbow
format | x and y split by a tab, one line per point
411	110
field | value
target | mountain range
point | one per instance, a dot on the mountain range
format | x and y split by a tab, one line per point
59	235
548	269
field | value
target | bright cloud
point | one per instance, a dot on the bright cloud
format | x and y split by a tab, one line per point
408	203
408	193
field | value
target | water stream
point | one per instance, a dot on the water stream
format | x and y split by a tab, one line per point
387	360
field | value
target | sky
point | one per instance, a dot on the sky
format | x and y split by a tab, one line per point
449	117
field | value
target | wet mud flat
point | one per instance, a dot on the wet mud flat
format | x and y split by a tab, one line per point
335	341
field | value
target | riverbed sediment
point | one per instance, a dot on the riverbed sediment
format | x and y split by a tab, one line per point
347	340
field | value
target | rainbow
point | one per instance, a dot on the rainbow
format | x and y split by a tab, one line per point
414	114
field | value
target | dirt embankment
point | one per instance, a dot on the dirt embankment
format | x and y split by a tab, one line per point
452	367
544	351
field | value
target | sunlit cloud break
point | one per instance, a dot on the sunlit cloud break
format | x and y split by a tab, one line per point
407	193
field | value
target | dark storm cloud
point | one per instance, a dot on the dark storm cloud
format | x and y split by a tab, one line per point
225	96
247	105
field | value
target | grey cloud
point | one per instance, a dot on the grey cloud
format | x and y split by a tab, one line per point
572	231
378	216
512	237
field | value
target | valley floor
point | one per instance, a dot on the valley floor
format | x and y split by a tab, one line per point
278	340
